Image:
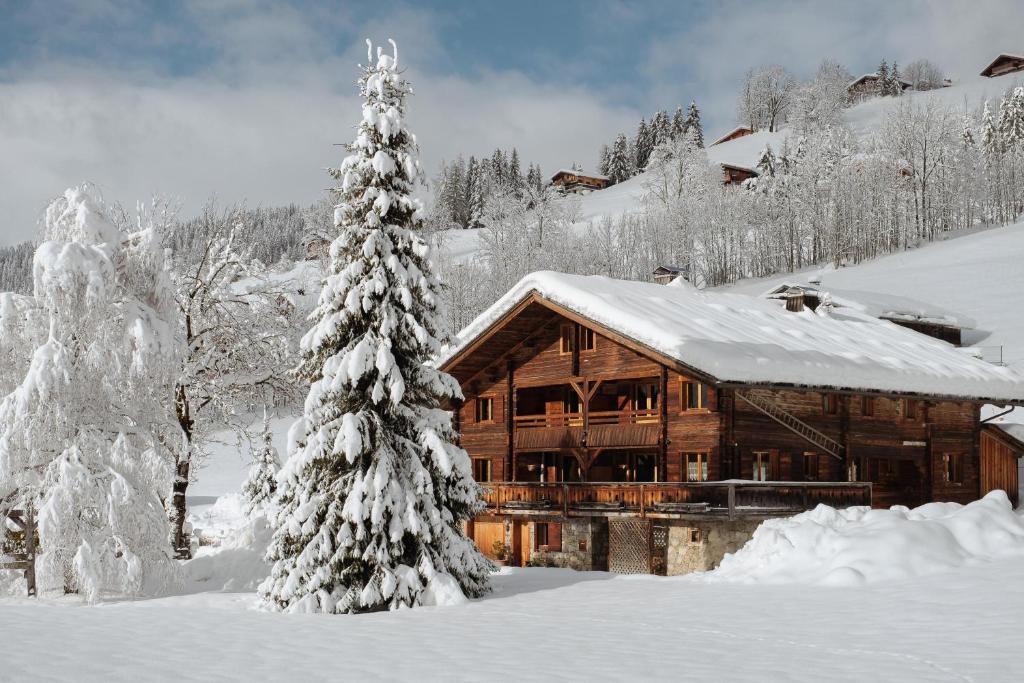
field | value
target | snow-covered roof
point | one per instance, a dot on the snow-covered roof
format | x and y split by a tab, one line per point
731	132
878	305
905	84
570	171
736	338
1002	56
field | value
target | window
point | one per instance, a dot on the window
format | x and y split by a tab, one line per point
910	409
485	409
571	403
810	466
829	404
694	536
952	471
644	400
696	466
851	471
588	340
867	406
695	396
547	536
762	466
566	339
481	469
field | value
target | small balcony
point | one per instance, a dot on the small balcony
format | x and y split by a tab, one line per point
732	499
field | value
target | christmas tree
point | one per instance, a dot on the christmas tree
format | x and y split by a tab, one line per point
374	493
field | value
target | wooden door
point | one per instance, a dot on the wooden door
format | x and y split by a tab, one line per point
486	533
522	541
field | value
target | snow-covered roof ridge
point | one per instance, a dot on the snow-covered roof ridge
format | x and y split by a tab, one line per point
742	339
883	305
581	172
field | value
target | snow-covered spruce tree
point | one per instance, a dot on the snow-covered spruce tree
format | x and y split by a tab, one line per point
374	493
261	484
79	434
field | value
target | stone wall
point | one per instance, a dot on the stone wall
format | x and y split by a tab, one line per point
584	546
700	546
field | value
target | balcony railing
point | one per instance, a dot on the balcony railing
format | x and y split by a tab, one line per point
730	499
600	429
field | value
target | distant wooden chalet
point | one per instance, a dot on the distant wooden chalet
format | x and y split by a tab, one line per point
569	180
664	275
867	86
734	134
644	428
1004	64
317	247
734	175
929	319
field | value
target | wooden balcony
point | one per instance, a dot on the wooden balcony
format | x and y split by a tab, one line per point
597	429
732	499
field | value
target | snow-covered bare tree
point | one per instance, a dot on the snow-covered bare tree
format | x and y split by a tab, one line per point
923	74
235	333
765	97
374	492
79	435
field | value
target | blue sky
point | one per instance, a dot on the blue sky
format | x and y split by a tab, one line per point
243	99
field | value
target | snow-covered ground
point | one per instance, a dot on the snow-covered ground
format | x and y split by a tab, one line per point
549	624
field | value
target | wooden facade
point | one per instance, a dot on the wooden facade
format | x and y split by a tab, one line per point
734	175
735	134
1000	454
578	181
566	419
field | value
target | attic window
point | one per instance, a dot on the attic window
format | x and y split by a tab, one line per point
588	340
485	409
952	468
566	339
910	409
694	396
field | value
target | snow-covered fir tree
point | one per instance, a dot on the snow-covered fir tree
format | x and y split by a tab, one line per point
693	125
678	123
374	493
882	84
261	484
643	145
81	436
620	165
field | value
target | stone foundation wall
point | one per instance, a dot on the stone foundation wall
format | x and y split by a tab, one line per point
584	546
700	546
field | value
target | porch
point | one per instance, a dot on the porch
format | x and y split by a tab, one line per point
731	499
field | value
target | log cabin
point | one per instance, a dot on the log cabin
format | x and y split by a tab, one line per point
1004	64
569	180
866	87
734	175
637	427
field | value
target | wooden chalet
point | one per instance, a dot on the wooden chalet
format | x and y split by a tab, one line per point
1004	64
638	427
571	180
867	86
734	175
734	134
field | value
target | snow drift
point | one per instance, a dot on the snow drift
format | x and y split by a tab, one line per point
858	545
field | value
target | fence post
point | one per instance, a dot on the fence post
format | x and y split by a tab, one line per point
30	550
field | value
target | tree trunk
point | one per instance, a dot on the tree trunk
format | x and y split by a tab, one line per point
180	541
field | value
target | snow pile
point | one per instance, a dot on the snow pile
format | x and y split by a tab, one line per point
855	546
236	562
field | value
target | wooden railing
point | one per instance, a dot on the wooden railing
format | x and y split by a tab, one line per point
731	499
604	417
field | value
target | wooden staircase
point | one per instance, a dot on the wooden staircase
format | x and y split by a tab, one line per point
795	425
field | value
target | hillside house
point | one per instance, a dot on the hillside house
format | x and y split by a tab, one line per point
639	427
867	86
926	318
734	134
1004	64
570	180
734	175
